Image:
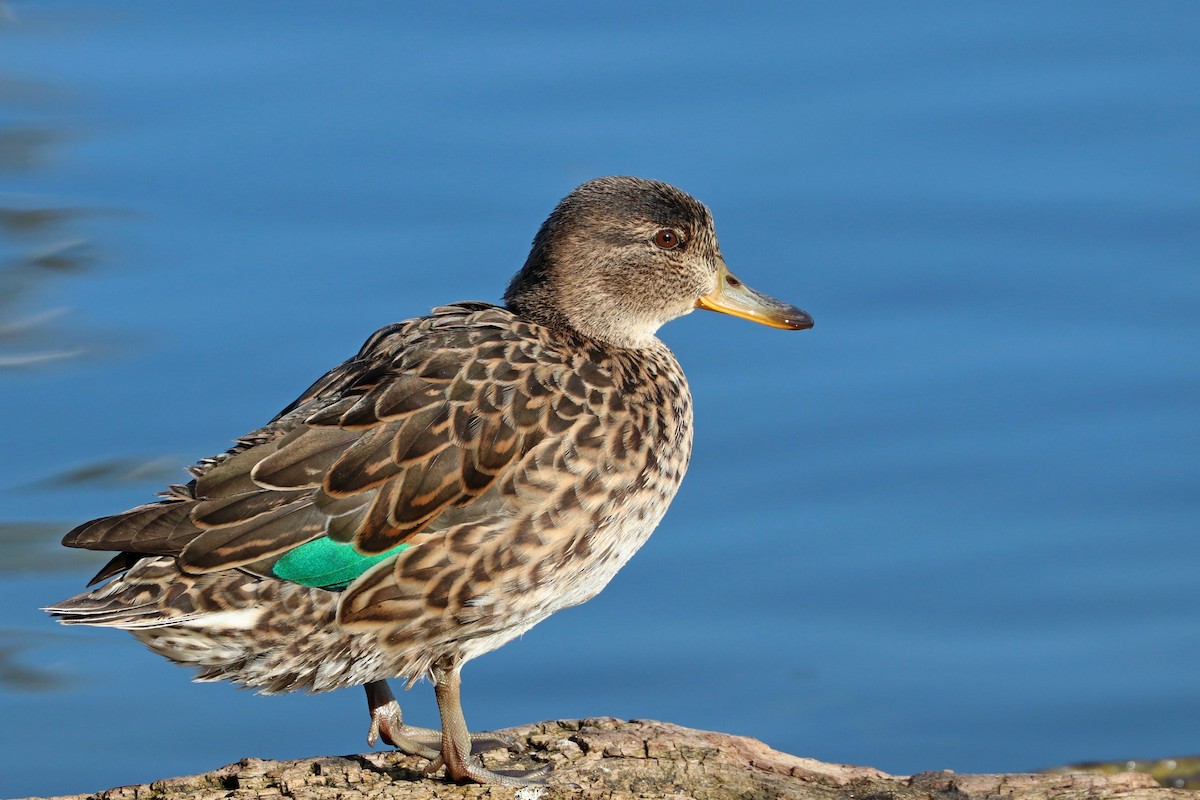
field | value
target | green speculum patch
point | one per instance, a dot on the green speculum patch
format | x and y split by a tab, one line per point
326	564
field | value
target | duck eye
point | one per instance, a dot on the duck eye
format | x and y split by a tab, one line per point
667	239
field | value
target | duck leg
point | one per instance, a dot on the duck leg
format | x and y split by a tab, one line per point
387	723
457	751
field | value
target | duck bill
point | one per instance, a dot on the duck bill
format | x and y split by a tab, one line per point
734	297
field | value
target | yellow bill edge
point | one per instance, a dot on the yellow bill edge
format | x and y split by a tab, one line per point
736	298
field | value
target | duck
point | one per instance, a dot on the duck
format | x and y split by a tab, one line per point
462	477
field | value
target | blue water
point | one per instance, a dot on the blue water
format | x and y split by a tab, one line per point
953	526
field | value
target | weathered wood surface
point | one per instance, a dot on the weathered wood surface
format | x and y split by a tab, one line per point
615	760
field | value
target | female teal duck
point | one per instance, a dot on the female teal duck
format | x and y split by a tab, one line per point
462	478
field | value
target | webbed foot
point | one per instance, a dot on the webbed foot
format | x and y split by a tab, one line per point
387	724
458	751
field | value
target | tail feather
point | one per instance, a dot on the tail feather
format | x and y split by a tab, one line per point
124	618
133	601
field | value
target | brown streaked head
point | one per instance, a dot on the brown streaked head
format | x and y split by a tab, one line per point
621	256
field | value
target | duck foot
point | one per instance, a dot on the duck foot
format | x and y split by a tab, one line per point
474	771
458	748
387	724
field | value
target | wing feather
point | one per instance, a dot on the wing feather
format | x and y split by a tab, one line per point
262	537
304	462
365	464
419	432
159	528
242	507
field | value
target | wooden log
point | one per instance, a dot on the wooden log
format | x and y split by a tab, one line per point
615	760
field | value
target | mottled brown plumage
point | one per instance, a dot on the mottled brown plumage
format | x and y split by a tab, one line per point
522	454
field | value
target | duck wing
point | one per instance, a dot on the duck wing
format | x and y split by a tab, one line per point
417	432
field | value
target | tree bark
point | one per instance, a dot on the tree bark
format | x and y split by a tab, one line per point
614	760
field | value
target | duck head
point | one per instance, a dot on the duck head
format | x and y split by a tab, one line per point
621	256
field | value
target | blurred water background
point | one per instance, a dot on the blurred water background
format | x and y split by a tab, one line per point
953	526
